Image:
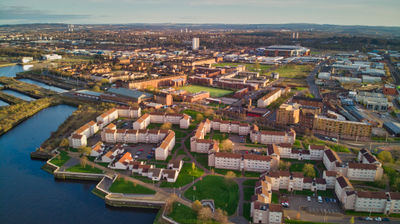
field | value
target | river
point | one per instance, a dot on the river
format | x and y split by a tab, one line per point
10	71
31	195
18	94
43	85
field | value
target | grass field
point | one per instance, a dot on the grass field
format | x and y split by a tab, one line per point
186	176
249	67
214	92
87	169
60	159
127	187
246	210
225	193
294	71
183	214
248	192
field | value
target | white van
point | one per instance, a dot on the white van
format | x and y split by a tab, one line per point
319	199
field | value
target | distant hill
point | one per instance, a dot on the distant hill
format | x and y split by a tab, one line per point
386	31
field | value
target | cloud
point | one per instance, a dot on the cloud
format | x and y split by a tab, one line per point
21	13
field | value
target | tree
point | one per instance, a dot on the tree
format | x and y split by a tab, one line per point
199	117
230	175
193	166
197	206
104	81
309	170
385	156
284	165
167	126
352	220
220	216
83	161
208	112
205	214
96	88
64	143
85	150
226	145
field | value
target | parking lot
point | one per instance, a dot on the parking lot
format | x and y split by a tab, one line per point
141	151
327	207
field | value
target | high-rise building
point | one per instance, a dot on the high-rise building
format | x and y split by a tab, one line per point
195	43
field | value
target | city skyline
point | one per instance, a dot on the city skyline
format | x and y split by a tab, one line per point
352	12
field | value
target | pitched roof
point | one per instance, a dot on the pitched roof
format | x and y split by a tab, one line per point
362	166
343	182
257	157
228	155
372	194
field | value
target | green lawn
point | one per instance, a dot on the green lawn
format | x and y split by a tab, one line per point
86	169
251	174
185	176
339	148
183	214
249	67
225	193
142	178
248	192
297	167
201	158
275	198
214	92
127	187
294	71
250	182
246	210
220	136
60	159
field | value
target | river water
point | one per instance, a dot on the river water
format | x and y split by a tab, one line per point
31	195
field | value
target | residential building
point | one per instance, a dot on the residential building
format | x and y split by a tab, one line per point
288	114
269	98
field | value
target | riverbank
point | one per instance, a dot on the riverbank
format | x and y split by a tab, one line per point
44	79
10	99
13	115
7	65
85	112
31	90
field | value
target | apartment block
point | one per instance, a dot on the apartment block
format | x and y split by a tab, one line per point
288	114
343	128
269	98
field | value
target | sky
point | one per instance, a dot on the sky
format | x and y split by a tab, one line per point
340	12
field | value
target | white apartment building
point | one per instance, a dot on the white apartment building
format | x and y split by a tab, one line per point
273	137
269	98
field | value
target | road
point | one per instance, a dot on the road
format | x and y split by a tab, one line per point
311	81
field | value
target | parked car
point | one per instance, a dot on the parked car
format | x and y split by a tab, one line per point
141	150
378	219
136	156
360	218
308	198
319	199
386	219
368	219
